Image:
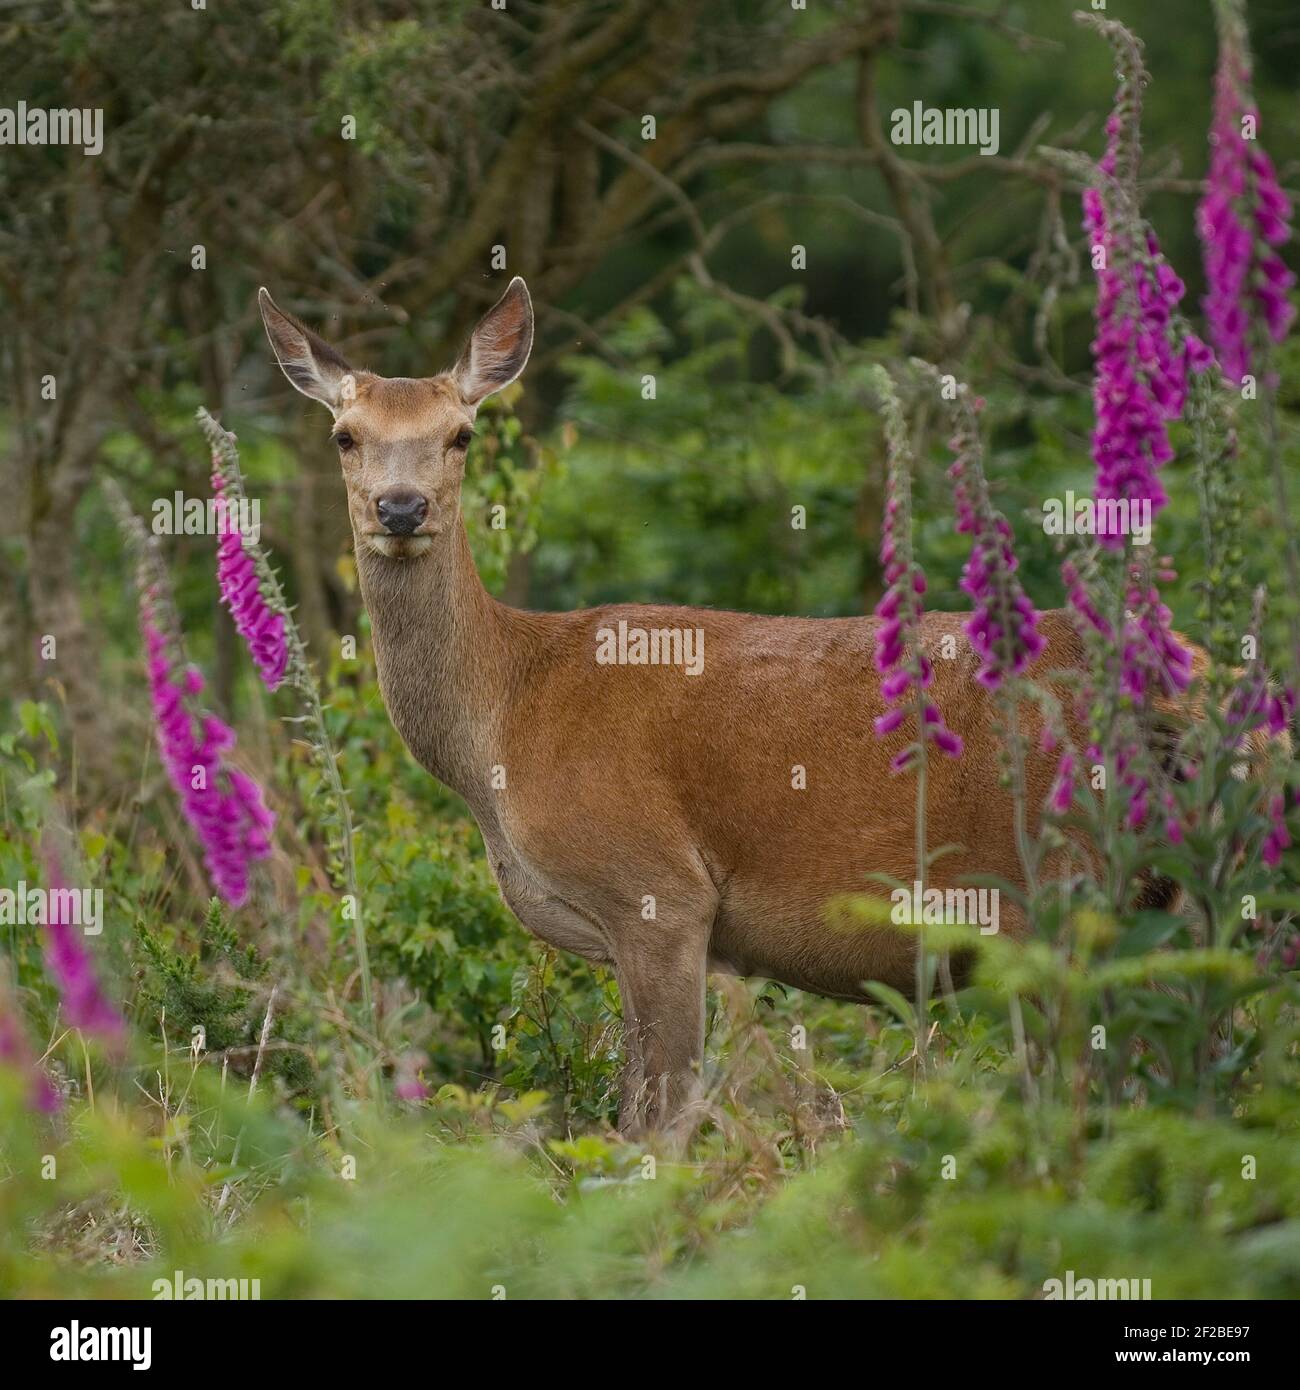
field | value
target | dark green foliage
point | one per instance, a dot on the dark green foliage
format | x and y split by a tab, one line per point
215	991
1165	1147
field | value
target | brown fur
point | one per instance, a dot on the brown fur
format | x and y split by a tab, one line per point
623	782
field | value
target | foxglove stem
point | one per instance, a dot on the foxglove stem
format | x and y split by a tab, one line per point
1258	703
906	670
1213	418
1003	629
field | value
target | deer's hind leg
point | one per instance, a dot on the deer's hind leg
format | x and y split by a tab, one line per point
661	965
663	1029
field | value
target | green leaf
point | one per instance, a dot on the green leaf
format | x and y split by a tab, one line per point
893	999
1150	929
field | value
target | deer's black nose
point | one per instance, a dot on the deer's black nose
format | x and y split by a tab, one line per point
401	512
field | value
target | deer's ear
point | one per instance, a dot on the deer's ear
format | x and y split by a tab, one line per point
307	360
498	348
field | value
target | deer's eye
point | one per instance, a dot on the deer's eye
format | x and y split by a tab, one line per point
344	440
463	438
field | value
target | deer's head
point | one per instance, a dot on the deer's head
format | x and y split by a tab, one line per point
402	440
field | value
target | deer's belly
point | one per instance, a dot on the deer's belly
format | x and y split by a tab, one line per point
791	941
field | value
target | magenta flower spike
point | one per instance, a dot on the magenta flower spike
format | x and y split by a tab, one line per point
1080	600
1151	660
1243	217
1140	377
1278	837
68	963
1141	352
904	669
261	628
1061	797
1142	355
16	1054
224	806
1003	629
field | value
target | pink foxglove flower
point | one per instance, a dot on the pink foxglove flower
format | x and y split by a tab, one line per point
1256	701
1141	353
260	627
224	806
407	1084
1173	826
1080	599
905	669
68	964
16	1054
1061	797
1003	629
1140	374
1278	837
1138	786
1151	660
1243	217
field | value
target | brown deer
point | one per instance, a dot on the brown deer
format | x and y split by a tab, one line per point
668	791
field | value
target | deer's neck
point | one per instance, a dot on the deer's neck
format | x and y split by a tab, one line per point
442	651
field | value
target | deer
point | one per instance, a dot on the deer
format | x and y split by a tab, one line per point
669	792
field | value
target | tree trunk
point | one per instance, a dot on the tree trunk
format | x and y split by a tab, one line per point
71	674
